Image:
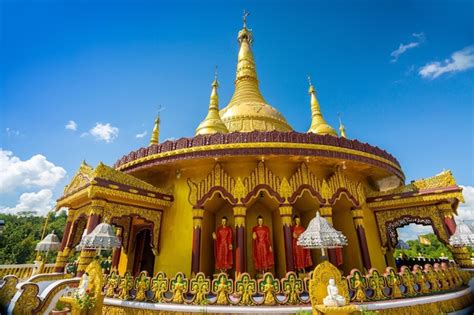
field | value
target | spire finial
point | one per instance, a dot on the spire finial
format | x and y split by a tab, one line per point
155	134
215	83
342	128
244	18
311	87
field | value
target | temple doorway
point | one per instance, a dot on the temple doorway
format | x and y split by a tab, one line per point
144	257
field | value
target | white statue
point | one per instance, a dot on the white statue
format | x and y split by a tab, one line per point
81	290
333	298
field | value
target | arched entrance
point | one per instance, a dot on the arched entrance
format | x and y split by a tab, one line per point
144	258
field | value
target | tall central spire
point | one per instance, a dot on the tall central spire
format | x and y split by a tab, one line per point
247	109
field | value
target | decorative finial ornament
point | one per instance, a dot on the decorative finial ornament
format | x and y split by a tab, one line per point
212	123
155	134
342	128
318	124
244	18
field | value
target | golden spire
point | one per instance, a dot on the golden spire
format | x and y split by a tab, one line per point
155	134
342	128
212	123
318	124
247	109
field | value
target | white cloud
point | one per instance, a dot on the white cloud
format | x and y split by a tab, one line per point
71	125
105	132
34	172
141	135
38	202
404	47
11	132
411	231
460	60
466	210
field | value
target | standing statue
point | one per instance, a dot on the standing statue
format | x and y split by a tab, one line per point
333	298
262	247
301	255
223	246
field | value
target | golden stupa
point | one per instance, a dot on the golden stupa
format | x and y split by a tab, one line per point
245	161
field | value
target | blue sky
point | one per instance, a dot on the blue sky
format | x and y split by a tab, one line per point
400	72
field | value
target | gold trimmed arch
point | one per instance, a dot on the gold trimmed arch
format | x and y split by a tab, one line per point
389	220
240	190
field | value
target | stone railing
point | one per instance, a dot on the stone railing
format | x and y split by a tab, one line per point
23	271
290	290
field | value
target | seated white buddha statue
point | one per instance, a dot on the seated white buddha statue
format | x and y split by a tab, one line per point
333	298
81	290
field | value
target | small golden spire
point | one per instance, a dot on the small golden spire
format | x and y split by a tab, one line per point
318	124
342	128
212	123
155	134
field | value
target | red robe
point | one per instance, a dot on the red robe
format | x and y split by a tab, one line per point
301	255
262	255
222	251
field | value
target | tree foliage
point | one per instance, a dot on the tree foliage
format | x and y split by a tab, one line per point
435	250
22	233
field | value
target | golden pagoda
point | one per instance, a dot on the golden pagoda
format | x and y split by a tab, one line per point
246	171
210	222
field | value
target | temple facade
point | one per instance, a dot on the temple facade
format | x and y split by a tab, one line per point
246	164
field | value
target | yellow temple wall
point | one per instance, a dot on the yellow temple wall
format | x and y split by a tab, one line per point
176	233
377	258
342	220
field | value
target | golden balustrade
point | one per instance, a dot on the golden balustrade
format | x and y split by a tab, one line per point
23	271
290	290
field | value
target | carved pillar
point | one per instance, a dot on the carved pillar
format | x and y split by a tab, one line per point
358	217
61	258
197	226
240	248
117	251
286	212
334	254
87	255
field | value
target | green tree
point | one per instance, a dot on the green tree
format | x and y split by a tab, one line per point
434	250
22	233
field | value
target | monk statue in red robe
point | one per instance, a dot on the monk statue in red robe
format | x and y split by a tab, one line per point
301	255
262	247
223	246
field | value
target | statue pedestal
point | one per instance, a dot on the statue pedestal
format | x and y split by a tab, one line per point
335	310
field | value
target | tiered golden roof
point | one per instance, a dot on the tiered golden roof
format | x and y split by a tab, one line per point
318	124
248	110
212	123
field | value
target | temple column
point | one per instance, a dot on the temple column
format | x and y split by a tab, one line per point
198	215
117	251
61	258
87	255
358	218
326	212
286	211
240	212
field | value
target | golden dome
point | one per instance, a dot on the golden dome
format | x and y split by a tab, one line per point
248	110
212	123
